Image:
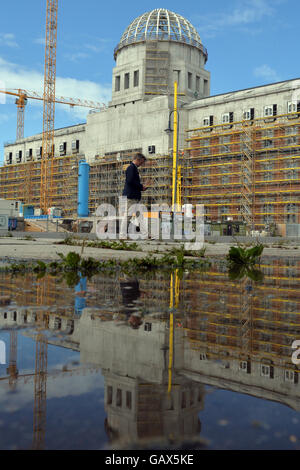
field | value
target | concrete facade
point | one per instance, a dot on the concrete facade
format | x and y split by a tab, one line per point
29	149
239	102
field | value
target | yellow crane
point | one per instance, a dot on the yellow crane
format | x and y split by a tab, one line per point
22	97
40	392
49	105
12	369
49	99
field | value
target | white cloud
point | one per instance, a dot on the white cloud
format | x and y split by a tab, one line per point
266	73
247	12
14	76
87	49
41	41
60	386
4	117
77	56
8	39
98	44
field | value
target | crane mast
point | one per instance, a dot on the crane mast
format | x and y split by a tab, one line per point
49	104
21	102
12	369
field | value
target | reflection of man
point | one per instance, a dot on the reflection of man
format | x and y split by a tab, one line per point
130	291
133	189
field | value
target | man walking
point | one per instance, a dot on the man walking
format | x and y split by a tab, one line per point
133	192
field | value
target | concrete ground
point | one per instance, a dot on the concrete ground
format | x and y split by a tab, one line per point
45	248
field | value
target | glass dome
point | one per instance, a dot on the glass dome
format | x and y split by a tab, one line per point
160	25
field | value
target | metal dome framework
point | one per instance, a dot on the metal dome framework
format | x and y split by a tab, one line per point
161	25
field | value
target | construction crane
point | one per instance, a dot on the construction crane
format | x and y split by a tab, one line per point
41	363
49	99
39	377
40	392
49	105
22	97
12	369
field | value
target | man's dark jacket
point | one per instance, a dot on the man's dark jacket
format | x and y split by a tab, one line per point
133	186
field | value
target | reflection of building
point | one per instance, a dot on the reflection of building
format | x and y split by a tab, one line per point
233	335
138	411
135	366
241	338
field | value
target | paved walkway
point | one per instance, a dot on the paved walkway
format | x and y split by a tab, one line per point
13	248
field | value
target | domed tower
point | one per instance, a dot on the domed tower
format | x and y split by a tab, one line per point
156	49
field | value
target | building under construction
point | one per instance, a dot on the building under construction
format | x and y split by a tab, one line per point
238	152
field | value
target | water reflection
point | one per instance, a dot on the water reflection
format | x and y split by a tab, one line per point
158	344
80	289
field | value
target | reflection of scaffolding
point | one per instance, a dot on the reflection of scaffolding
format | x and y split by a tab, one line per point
248	320
246	170
246	316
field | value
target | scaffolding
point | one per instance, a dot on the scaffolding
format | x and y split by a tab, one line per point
247	176
107	178
22	182
241	171
247	170
156	70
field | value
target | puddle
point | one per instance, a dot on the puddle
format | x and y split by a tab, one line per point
183	361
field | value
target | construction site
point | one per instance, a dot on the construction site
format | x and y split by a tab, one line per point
147	345
237	153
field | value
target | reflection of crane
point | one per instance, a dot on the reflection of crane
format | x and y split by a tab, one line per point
40	396
22	97
12	367
40	376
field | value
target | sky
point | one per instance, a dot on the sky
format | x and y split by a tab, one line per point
249	42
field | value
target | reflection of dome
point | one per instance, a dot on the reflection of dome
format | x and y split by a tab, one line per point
161	25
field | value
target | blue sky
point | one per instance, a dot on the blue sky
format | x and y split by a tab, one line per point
249	42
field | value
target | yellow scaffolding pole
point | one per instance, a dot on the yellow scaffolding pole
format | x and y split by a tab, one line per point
175	150
174	300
